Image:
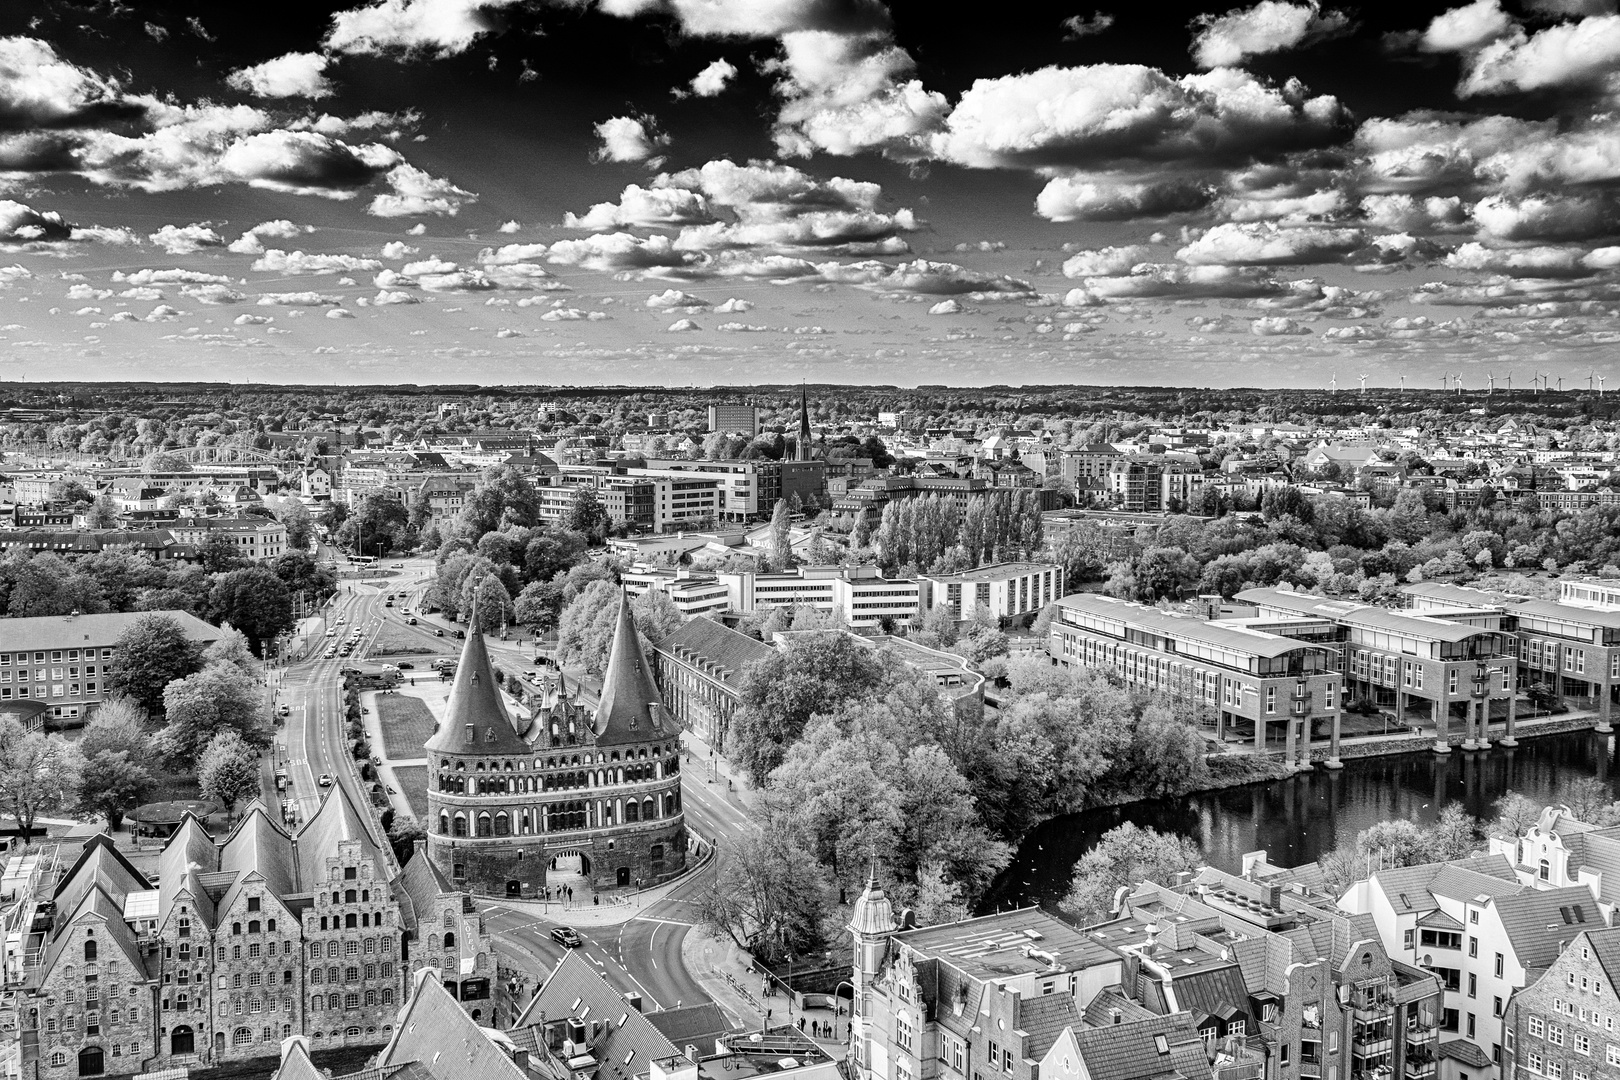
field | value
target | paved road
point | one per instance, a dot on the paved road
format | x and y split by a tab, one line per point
640	956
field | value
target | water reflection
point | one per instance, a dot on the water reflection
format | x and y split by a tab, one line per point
1299	819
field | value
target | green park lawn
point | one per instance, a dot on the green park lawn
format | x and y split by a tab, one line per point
407	724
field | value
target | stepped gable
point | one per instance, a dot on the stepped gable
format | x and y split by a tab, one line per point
188	854
631	709
475	718
258	847
337	820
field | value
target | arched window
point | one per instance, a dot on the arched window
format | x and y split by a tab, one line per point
503	824
90	951
1546	870
669	804
460	824
91	1062
449	941
241	1036
648	809
632	812
484	826
449	919
444	823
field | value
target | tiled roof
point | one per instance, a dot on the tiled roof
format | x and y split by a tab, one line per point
1606	947
259	846
422	883
80	631
1467	1052
1539	923
1044	1018
1099	1010
728	650
575	989
295	1062
697	1025
629	710
336	820
1130	1050
1213	991
435	1032
100	864
110	912
189	853
475	718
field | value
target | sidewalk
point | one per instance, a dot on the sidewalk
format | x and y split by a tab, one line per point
707	763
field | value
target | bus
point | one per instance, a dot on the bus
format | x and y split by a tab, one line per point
363	560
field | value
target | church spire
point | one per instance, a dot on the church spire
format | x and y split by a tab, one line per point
802	450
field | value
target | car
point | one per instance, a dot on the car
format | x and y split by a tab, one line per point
331	633
405	665
285	710
438	633
461	635
375	760
391	790
567	937
411	621
325	780
389	603
398	566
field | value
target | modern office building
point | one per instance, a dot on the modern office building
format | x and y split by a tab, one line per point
1261	677
749	489
1008	590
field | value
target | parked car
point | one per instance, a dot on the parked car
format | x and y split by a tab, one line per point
326	779
438	633
285	710
405	665
567	937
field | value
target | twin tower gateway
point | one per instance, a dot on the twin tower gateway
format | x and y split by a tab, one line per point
566	792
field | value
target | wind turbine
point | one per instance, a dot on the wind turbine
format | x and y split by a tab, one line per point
1403	384
1445	381
1458	378
1601	380
1333	383
1363	379
1490	384
1510	382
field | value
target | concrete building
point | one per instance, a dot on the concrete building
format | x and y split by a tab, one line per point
734	419
1007	589
63	661
749	489
1250	676
860	595
1459	668
692	593
563	790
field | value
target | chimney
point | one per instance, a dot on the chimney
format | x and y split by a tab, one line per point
1116	1015
633	1000
1152	945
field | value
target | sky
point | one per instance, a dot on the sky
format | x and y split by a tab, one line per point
697	192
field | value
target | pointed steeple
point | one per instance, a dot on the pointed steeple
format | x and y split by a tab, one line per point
475	718
801	452
631	709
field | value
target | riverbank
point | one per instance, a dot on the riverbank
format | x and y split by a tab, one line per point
1298	818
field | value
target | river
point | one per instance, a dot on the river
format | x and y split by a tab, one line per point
1299	819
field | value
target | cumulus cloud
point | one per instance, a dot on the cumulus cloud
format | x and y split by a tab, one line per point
639	206
430	265
1437	213
734	306
297	262
291	75
1546	217
440	27
510	253
385	297
87	292
847	93
415	192
251	241
616	251
186	239
340	313
509	227
568	314
40	89
1267	27
147	294
926	277
1112	197
683	325
712	80
1106	262
1265	244
1277	326
670	299
213	294
629	138
253	320
1174	281
298	299
1572	54
1467	28
1092	117
741	328
163	313
946	307
456	281
1076	27
163	277
21	224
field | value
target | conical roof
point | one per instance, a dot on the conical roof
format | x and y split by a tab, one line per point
475	718
873	914
631	708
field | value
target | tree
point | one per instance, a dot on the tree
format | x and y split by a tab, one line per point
494	603
1515	812
1590	800
255	601
112	783
232	649
533	607
377	525
503	497
102	514
215	699
768	895
152	652
70	494
38	772
302	574
403	833
585	629
1393	843
295	516
1124	856
1455	835
117	726
587	515
781	538
228	770
813	674
46	584
656	615
219	553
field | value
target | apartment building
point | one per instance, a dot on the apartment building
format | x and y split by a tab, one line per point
1257	677
1007	589
692	593
63	661
1451	668
254	538
653	503
1558	851
1570	645
734	419
1562	1026
859	594
1482	933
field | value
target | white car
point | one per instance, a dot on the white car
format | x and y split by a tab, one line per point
326	779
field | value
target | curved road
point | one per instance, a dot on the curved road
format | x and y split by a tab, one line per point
640	956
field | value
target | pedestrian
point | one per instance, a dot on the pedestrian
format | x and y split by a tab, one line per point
801	1024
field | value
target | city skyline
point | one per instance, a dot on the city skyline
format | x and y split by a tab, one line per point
685	191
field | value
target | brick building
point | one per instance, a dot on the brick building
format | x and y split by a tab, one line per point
565	790
1562	1026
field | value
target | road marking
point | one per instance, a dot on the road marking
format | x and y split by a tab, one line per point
664	922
